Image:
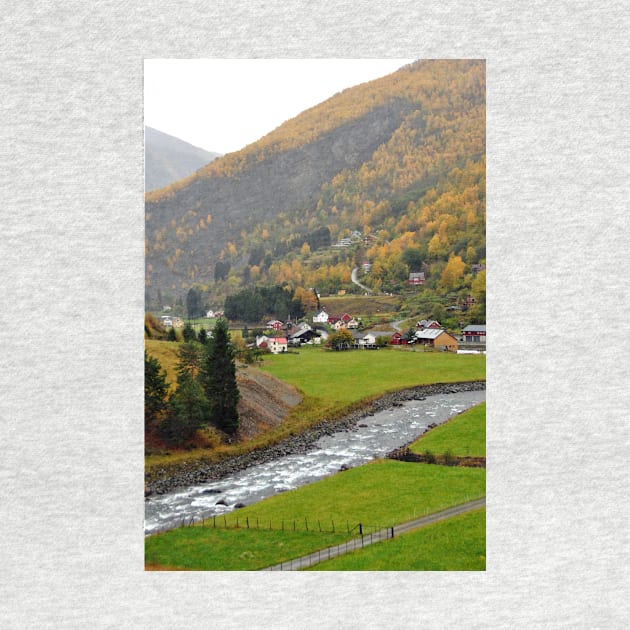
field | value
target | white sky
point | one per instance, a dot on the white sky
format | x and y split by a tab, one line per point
223	105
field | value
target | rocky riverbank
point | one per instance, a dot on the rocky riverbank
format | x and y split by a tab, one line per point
193	473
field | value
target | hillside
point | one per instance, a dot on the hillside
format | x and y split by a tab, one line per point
168	159
390	173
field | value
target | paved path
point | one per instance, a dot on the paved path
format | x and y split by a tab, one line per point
368	539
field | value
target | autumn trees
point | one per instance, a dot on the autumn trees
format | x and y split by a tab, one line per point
422	187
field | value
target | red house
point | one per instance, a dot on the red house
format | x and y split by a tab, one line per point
397	340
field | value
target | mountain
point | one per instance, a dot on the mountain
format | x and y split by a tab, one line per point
390	173
168	159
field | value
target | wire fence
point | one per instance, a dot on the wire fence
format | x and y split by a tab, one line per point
231	521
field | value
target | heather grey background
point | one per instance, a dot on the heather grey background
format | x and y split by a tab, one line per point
72	298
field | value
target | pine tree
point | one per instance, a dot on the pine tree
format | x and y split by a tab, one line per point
188	333
218	378
155	391
187	411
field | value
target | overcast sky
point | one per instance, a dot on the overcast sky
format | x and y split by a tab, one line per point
223	105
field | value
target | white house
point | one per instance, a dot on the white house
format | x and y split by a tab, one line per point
277	345
321	317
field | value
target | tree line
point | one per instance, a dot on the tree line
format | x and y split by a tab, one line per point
253	304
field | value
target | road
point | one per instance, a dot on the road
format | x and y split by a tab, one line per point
391	532
353	277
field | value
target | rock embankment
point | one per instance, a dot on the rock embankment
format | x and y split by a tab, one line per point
188	474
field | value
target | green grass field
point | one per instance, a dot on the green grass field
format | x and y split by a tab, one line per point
377	495
347	377
463	435
457	544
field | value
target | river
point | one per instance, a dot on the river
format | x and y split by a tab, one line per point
374	437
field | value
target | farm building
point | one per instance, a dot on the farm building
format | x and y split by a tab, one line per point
475	333
304	335
436	338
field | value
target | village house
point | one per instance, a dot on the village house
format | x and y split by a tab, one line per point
321	317
277	345
474	333
416	279
275	324
370	340
435	338
304	335
397	340
339	324
352	324
428	323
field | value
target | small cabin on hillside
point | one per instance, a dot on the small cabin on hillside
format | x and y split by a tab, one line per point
416	279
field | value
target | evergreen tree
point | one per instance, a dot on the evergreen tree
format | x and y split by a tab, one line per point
218	378
194	306
155	391
187	411
188	332
171	336
190	357
203	336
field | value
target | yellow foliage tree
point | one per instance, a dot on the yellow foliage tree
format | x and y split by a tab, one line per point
453	272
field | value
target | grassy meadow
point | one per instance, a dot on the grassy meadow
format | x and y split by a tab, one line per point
348	377
456	544
463	435
380	494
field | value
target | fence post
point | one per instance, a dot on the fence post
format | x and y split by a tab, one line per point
319	525
333	524
361	529
306	522
247	521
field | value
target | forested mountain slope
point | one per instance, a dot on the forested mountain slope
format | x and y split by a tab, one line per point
169	159
396	165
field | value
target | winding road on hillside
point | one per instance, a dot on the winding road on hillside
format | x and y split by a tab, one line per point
353	277
391	532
